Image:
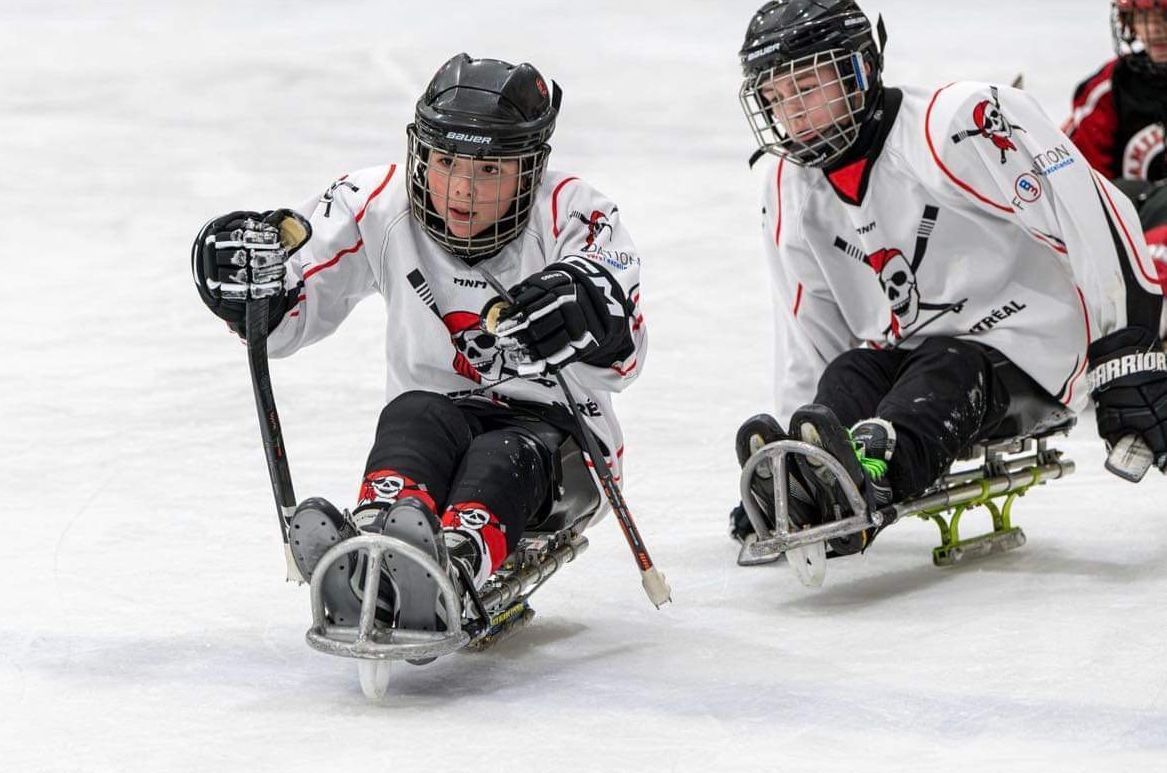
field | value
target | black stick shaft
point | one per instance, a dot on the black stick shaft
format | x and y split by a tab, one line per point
269	417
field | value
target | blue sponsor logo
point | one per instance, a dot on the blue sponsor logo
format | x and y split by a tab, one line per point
1052	160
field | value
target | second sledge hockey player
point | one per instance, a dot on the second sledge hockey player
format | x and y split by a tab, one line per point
1119	113
921	241
467	450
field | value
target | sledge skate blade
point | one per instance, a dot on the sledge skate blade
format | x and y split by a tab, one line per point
310	536
978	547
809	563
374	678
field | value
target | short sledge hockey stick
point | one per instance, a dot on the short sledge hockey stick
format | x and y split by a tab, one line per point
651	579
269	425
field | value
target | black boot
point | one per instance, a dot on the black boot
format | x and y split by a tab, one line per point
755	432
313	529
818	425
875	442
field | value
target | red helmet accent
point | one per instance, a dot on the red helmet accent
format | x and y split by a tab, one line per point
1140	5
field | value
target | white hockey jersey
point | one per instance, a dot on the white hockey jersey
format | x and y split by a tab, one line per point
972	217
365	241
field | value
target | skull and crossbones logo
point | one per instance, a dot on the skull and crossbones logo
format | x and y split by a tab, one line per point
469	516
478	356
388	488
898	280
991	124
596	224
330	194
384	487
898	277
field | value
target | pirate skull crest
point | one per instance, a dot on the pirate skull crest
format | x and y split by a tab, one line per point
468	515
386	489
898	276
898	280
991	124
478	356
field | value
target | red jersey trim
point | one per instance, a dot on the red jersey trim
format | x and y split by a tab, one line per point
555	205
848	180
360	216
625	371
1138	259
389	176
1090	93
1058	248
798	299
333	261
936	157
778	184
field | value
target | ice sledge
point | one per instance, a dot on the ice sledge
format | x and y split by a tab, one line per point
487	615
1012	459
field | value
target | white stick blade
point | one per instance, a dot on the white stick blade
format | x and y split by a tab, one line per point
658	590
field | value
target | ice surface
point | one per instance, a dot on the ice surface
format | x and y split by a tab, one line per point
144	622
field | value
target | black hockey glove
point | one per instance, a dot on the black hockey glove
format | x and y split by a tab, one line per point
572	310
243	255
1128	381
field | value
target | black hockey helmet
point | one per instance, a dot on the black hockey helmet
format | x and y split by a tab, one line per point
788	37
1123	17
481	110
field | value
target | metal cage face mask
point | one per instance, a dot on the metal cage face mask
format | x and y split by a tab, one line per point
1131	16
472	206
807	109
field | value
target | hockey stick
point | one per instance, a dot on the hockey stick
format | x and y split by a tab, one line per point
269	424
651	579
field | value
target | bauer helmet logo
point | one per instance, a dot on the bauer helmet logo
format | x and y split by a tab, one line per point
763	51
477	139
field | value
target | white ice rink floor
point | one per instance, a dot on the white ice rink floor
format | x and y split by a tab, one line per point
144	621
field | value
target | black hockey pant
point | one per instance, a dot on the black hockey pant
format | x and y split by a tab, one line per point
940	397
485	469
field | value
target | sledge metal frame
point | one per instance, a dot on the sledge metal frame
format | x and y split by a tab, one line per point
500	603
1007	470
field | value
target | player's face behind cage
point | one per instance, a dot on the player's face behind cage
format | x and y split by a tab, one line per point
471	205
806	109
1140	26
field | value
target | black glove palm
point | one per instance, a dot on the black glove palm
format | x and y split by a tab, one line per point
1128	381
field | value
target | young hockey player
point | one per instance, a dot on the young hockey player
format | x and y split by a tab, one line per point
1119	113
921	243
466	451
